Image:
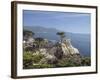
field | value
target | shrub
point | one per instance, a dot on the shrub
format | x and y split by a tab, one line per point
67	62
86	61
37	57
29	59
43	66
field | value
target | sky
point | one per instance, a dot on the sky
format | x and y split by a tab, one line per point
64	21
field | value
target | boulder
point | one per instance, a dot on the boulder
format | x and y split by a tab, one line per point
68	48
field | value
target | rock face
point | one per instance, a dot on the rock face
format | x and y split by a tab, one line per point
28	43
67	48
59	51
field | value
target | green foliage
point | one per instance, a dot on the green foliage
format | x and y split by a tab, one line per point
43	66
36	58
27	34
67	62
61	34
86	61
39	41
32	60
29	59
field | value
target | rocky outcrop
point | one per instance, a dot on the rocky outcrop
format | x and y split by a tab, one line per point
54	53
67	48
28	43
59	51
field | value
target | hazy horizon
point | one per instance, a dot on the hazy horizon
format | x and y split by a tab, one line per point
57	29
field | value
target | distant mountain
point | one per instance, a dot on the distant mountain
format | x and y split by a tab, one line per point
38	29
80	41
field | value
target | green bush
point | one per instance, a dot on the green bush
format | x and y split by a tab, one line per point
67	62
29	59
32	60
43	66
36	58
86	61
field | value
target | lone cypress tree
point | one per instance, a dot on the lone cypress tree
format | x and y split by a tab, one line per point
62	35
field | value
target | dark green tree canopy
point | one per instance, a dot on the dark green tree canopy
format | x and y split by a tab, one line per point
28	33
61	34
39	39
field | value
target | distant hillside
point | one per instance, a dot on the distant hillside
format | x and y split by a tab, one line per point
37	29
80	41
